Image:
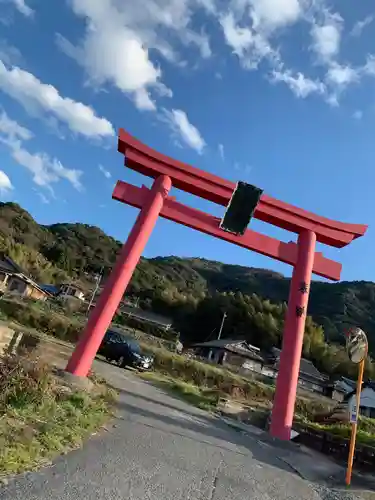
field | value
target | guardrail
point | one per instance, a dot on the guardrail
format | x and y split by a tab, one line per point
335	446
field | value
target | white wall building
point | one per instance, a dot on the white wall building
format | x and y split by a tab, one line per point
367	400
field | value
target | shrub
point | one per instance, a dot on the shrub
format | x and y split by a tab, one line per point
43	318
23	381
207	376
40	416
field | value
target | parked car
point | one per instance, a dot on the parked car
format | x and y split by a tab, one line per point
125	351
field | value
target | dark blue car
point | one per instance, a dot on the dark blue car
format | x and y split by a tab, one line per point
125	351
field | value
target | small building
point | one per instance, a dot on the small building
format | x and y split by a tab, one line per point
250	359
233	352
309	376
338	389
14	281
70	290
366	403
146	316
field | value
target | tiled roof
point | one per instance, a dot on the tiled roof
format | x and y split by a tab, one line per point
369	384
306	366
148	316
236	346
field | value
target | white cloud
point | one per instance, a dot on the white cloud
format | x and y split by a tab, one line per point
143	100
5	183
326	40
342	75
44	169
200	40
358	115
298	83
361	25
221	151
11	132
124	43
249	27
250	46
115	48
43	198
338	78
184	130
22	7
105	172
271	14
37	96
8	53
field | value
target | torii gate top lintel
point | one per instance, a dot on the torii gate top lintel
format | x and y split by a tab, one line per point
147	161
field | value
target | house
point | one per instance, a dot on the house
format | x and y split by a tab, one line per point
70	290
338	389
234	352
14	280
309	377
146	316
251	359
65	291
367	400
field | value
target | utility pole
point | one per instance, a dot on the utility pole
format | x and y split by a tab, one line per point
221	326
98	280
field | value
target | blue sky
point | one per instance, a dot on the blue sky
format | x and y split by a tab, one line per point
278	93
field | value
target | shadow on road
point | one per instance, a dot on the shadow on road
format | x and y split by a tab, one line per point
217	434
180	405
212	431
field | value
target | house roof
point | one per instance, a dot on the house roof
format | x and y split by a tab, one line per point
147	316
369	384
73	285
306	366
345	385
52	289
17	270
219	343
237	346
10	265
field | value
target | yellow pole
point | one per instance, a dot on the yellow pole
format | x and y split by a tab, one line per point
354	424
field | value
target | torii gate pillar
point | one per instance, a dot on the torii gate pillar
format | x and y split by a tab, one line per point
294	328
101	316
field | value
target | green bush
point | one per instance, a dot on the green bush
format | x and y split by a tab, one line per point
365	432
208	376
40	416
42	317
23	382
309	408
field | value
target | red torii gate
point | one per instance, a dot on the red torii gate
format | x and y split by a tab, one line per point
156	202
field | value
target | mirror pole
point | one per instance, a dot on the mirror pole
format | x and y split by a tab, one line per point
353	436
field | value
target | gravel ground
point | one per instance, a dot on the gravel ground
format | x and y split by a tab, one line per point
160	448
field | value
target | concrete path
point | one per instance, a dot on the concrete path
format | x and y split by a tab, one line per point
160	448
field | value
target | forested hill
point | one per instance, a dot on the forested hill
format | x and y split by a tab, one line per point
53	253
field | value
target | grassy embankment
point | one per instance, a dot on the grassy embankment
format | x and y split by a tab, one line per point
40	417
202	385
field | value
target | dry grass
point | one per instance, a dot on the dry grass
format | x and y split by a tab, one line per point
40	417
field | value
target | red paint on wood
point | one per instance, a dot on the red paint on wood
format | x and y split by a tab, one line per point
208	224
100	318
149	162
294	329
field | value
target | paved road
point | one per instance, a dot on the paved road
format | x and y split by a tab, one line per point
159	448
